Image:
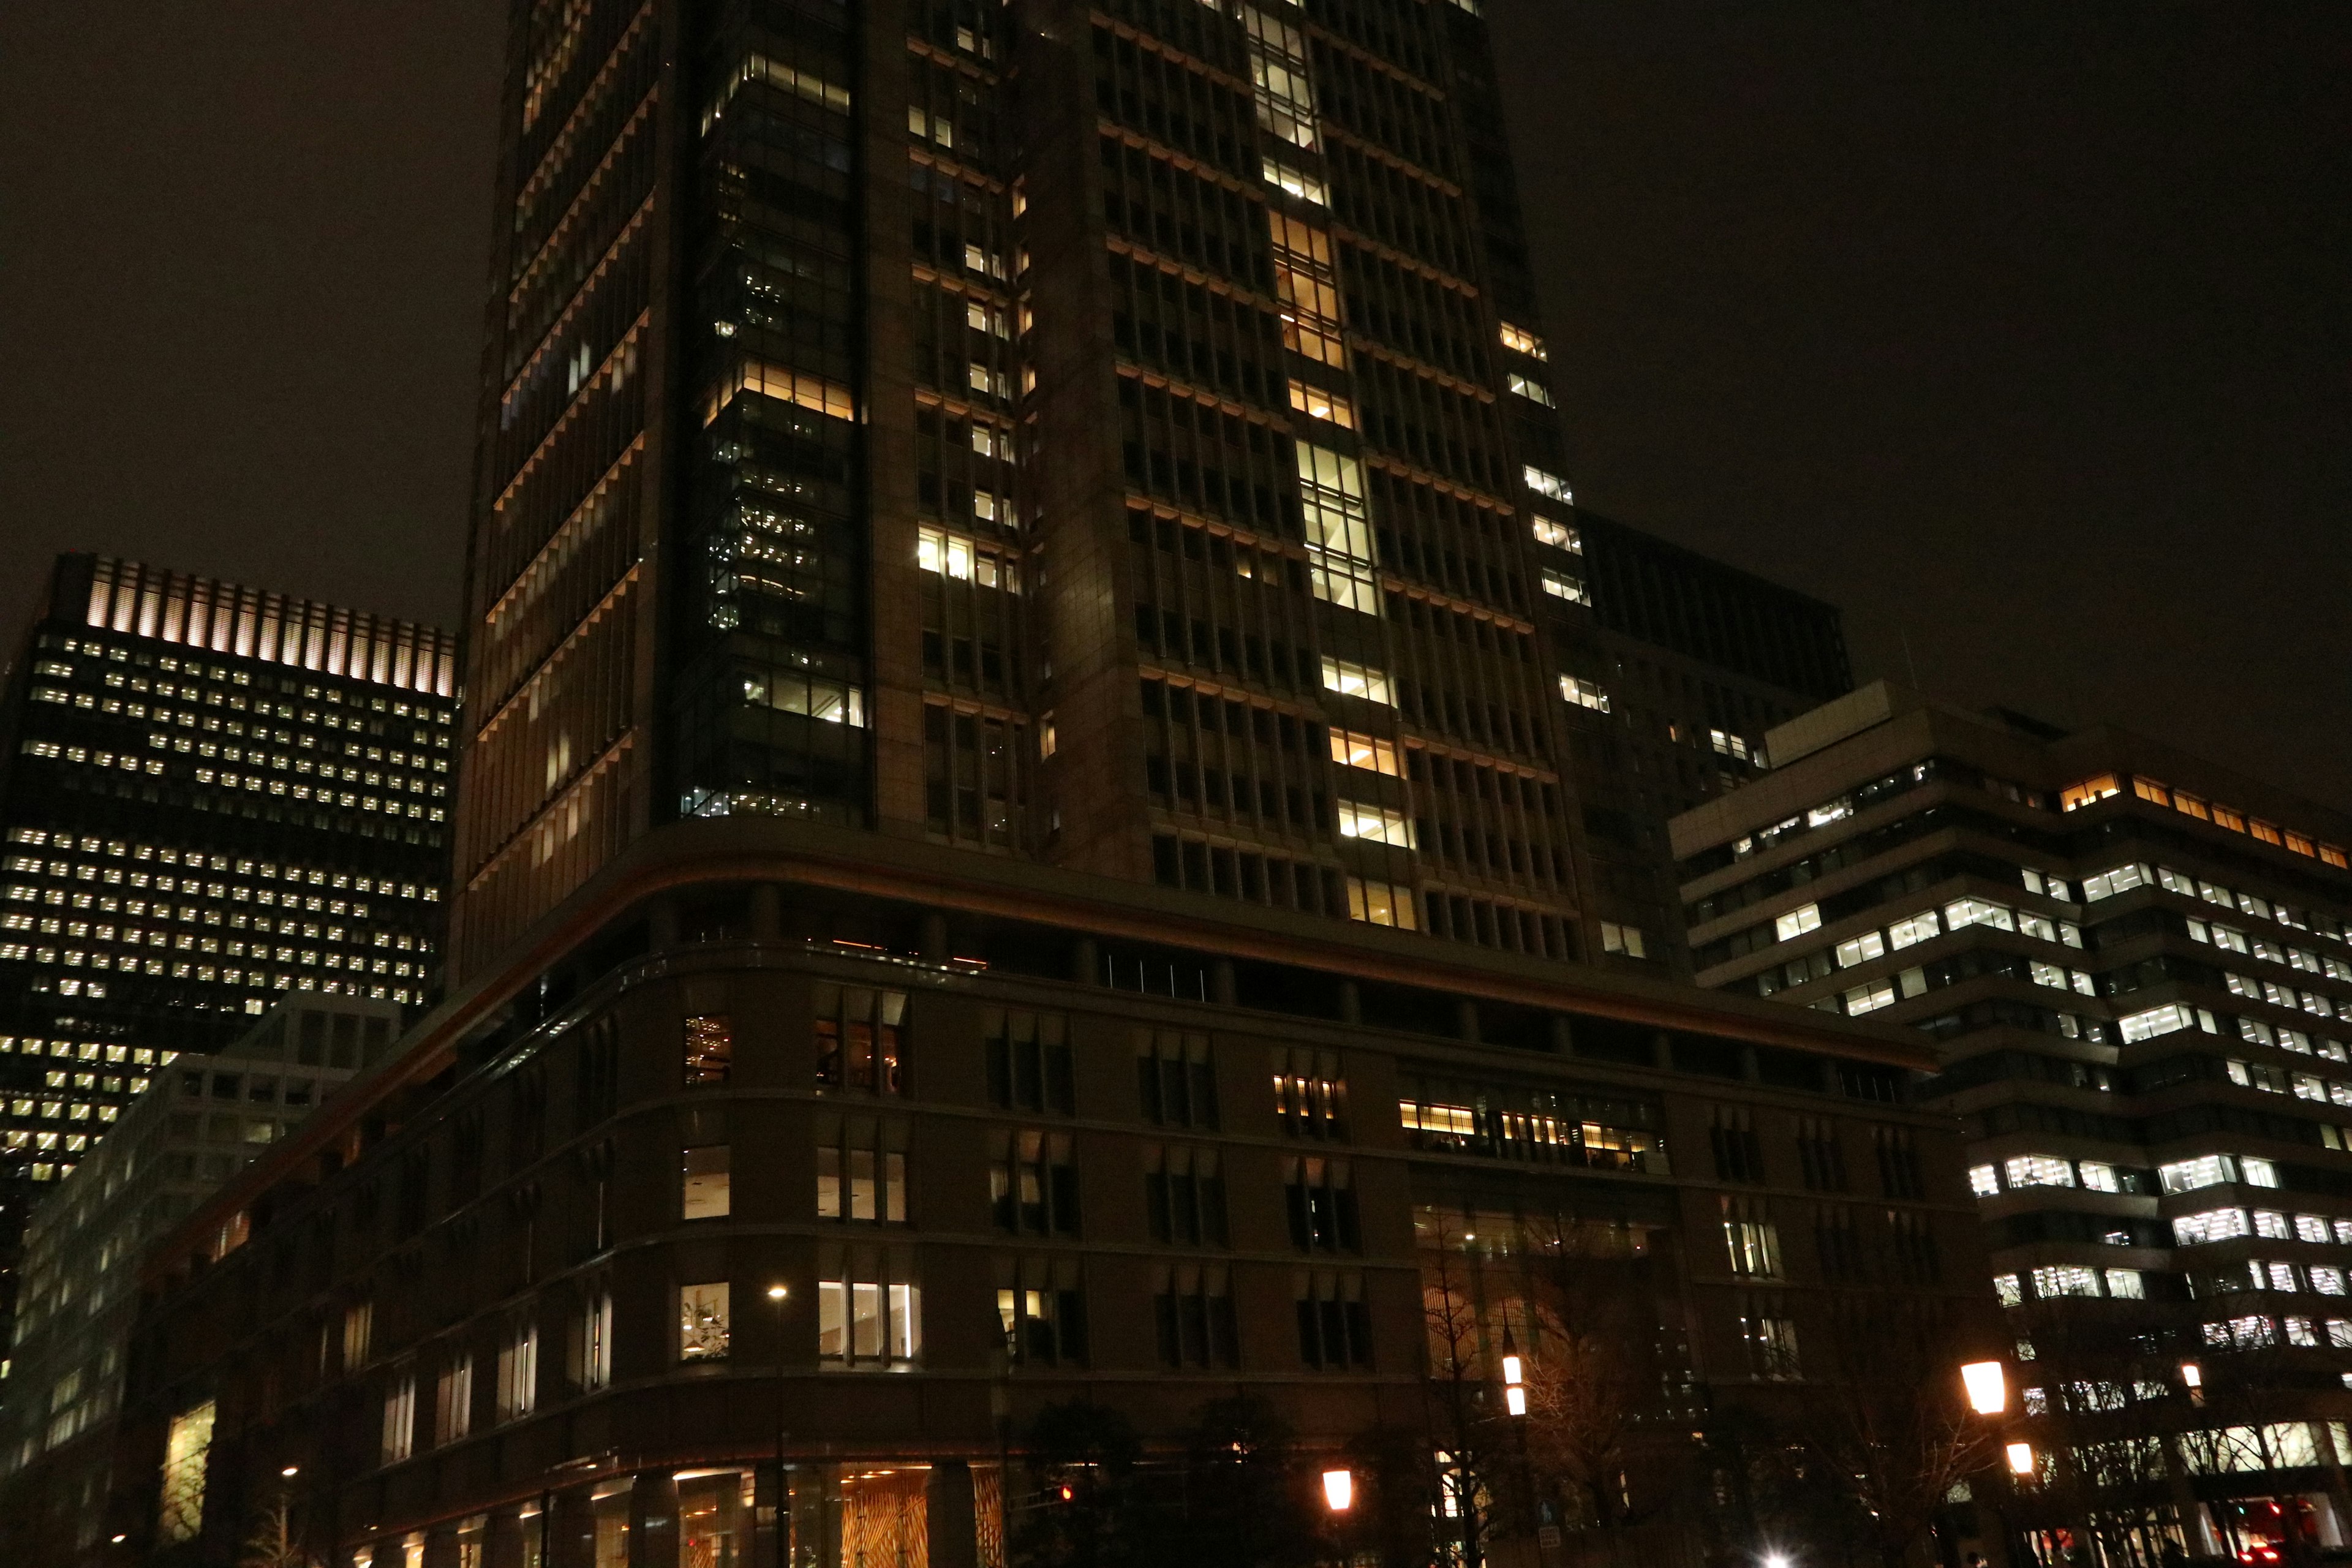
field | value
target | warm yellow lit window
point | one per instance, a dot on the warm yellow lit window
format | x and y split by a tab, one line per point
2300	845
2335	857
1381	904
2193	805
1519	341
2148	789
1558	535
1350	750
2266	831
2228	817
2075	796
1317	404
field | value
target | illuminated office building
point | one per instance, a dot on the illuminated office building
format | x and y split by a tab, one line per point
1015	841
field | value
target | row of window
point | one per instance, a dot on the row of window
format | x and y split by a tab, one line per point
2074	797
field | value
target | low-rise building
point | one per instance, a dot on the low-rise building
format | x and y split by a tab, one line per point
2135	966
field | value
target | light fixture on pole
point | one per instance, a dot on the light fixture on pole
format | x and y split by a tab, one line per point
1339	1491
1515	1388
2020	1459
1988	1388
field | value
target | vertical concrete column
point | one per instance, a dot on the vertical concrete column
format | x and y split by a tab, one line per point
441	1546
1750	1068
1662	1051
1086	961
1563	1036
932	939
1223	989
766	909
653	1520
502	1537
1351	1003
949	1518
662	919
571	1537
1465	1021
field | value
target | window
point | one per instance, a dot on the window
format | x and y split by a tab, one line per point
1382	904
400	1418
2075	796
1622	939
709	1050
1860	949
1185	1196
1192	1307
1558	535
1043	1313
1309	1094
1772	1347
1177	1078
1796	922
702	1326
868	1311
2155	1021
1738	1154
1031	1183
1335	1332
1320	1195
707	1181
1317	404
519	1372
358	1327
2099	1178
1899	1176
861	1175
1550	486
1983	1181
453	1401
2126	1284
2065	1279
1350	750
2213	1225
1378	824
1029	1061
1965	913
1754	1243
1519	341
858	1046
1355	680
187	1447
1584	693
1919	928
1819	1155
1560	585
591	1342
2039	1171
2188	1175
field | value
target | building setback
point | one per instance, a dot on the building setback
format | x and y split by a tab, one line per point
2135	967
204	1120
1696	660
1012	713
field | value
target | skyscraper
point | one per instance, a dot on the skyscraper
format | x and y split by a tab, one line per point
211	795
1014	846
840	470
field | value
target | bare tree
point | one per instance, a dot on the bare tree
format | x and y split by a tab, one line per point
1459	1422
271	1542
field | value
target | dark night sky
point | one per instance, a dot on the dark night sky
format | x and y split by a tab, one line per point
2023	330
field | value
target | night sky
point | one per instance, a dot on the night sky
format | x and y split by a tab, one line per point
2022	332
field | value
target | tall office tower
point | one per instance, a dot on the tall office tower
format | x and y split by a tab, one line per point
1008	631
1695	660
1119	460
211	796
2135	965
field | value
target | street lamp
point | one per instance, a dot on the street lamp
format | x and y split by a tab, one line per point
1988	1388
1515	1388
1338	1490
777	1294
2020	1459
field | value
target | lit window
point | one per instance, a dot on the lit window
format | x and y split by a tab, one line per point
1317	404
1350	750
1560	585
1381	904
1297	182
702	1321
1529	388
1550	486
2039	1171
1355	680
1983	1181
1520	341
1860	949
1558	535
2075	796
1380	824
1919	928
1797	921
1584	693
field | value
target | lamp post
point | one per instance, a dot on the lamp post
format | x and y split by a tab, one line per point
1515	1401
777	1296
1986	1386
1338	1497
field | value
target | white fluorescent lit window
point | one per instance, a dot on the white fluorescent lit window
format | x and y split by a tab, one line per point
2213	1225
1919	928
1377	823
1797	921
1983	1181
1560	585
2039	1171
1355	680
1977	912
1534	390
1584	693
1860	949
2099	1178
1297	182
